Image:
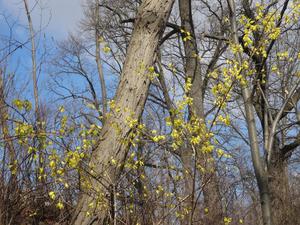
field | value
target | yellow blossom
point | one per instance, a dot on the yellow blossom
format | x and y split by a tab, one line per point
52	195
59	205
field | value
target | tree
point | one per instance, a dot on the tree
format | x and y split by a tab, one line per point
131	94
209	180
271	172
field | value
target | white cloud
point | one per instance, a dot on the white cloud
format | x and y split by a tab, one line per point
59	16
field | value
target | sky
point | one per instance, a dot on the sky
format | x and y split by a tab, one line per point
55	19
57	16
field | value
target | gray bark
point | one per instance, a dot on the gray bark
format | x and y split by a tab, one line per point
281	202
99	64
131	95
209	179
260	173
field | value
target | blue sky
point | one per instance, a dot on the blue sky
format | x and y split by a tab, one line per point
56	19
58	16
52	21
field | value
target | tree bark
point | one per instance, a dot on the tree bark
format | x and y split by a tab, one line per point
98	62
130	98
281	202
259	170
209	179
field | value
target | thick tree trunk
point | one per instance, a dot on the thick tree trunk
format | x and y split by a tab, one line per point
130	98
209	179
282	209
212	196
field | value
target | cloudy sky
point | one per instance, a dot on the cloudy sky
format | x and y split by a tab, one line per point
60	16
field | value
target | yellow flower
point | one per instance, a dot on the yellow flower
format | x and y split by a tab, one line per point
106	49
61	109
59	205
52	195
100	39
282	55
159	138
195	140
151	69
227	220
113	162
52	164
59	171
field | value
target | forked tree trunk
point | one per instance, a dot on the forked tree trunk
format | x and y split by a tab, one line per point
261	174
209	179
130	98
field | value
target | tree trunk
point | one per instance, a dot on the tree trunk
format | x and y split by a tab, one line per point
261	174
209	179
212	196
282	209
9	195
130	98
98	62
